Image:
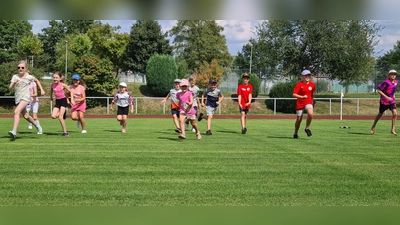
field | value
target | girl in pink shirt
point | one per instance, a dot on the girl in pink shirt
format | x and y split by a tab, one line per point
58	88
186	110
78	90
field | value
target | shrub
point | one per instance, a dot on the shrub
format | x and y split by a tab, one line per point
282	90
161	70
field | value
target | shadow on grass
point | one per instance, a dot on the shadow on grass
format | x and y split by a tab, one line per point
114	131
359	133
170	138
229	131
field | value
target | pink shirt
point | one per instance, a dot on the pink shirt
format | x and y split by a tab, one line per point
58	90
31	91
184	98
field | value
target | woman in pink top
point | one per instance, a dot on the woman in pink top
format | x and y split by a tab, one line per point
186	110
58	88
78	90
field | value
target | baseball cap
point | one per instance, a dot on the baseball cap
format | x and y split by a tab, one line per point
177	81
245	75
213	81
184	82
305	72
76	77
392	71
123	84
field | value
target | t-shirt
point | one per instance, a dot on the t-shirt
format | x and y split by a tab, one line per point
32	87
302	88
77	91
389	89
184	98
174	99
245	91
212	97
22	87
123	99
195	90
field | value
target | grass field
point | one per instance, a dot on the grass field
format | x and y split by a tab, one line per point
150	166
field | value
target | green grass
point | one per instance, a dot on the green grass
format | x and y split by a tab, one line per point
150	166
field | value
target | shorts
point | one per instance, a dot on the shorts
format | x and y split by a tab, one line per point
210	110
243	110
175	112
123	110
383	108
61	103
34	106
300	111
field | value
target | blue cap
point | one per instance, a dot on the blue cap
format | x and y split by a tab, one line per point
76	77
213	81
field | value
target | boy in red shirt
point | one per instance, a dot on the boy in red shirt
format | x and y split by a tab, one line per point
244	92
304	91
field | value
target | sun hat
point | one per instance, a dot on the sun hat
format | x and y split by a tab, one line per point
213	81
177	81
123	84
392	71
76	77
305	72
184	82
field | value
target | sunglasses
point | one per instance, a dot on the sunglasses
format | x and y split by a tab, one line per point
21	67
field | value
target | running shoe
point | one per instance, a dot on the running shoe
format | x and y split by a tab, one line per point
13	134
308	132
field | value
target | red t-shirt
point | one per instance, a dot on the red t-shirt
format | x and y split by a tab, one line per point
244	91
302	88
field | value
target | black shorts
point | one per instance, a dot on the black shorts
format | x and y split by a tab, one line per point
383	108
123	110
175	112
246	111
61	103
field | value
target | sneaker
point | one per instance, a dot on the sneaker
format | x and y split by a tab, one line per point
208	132
308	132
198	136
178	130
186	126
244	130
193	130
39	128
13	134
65	134
30	126
295	136
84	131
200	117
78	124
182	136
123	130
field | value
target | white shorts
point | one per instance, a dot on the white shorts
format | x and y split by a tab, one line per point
210	110
300	112
34	106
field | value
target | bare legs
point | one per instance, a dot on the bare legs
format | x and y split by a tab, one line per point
394	119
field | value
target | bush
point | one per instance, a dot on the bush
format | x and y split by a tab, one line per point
282	90
255	82
322	86
161	71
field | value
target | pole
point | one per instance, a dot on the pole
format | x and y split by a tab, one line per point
251	57
66	58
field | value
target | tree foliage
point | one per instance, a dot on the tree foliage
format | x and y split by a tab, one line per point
11	32
161	71
390	60
145	40
199	41
207	71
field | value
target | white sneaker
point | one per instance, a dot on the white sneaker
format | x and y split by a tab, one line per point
84	131
78	124
30	126
193	130
13	134
39	128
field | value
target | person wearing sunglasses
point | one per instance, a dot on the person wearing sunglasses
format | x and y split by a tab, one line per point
20	83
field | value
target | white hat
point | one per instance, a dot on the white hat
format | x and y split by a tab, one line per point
177	81
305	72
392	71
123	84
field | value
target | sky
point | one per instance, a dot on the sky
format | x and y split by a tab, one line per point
239	32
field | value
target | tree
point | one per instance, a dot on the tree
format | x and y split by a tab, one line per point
11	31
30	46
161	71
145	40
207	71
199	41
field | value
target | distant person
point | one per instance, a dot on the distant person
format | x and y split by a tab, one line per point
186	109
211	99
78	90
33	104
58	88
304	92
174	104
20	83
387	90
245	93
196	102
124	101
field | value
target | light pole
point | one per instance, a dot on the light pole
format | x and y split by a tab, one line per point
251	56
66	58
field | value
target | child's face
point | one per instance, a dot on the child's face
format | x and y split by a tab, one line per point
21	68
213	86
392	76
122	88
184	88
192	82
177	87
75	82
56	78
306	78
245	80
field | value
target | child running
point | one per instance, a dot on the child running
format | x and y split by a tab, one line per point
245	93
174	104
186	109
196	103
21	82
123	100
78	90
59	88
33	104
214	96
